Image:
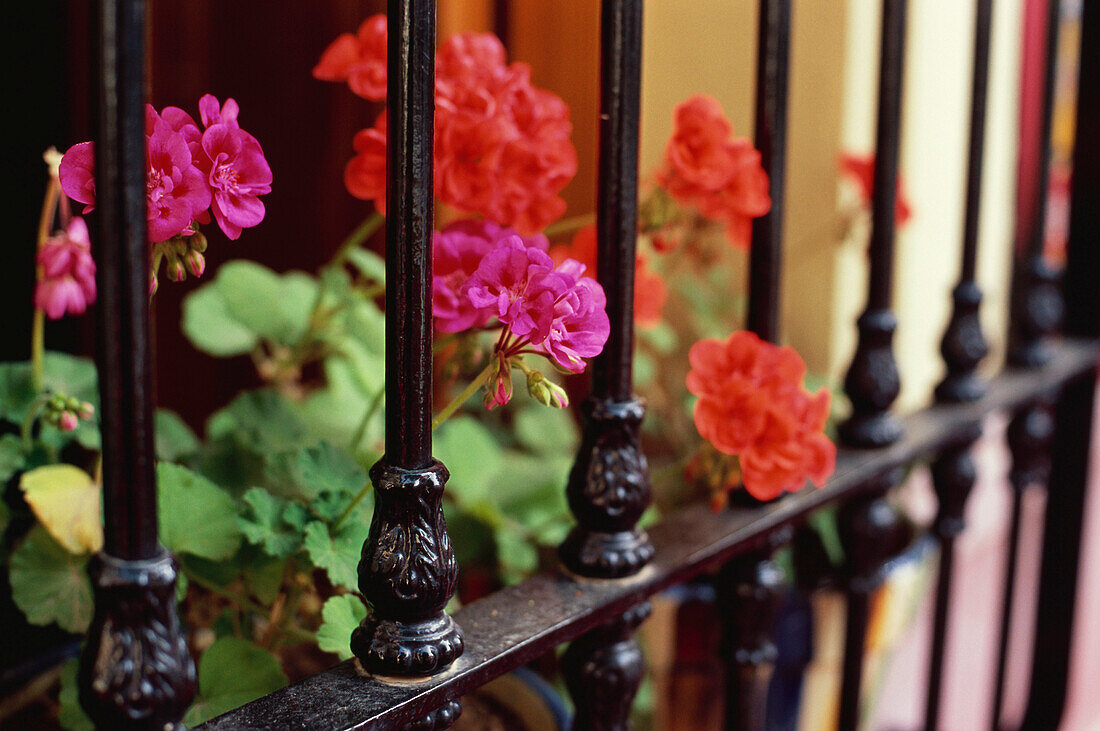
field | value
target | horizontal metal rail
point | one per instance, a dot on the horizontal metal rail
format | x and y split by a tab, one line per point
518	624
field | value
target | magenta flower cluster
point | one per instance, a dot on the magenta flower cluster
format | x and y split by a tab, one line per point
190	172
483	272
67	284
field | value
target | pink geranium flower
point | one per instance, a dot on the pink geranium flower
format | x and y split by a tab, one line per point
175	190
67	284
580	326
238	174
518	284
457	252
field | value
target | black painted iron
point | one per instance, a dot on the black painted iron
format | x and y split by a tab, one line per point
1029	435
135	671
749	590
603	670
520	623
408	570
871	533
963	345
953	476
608	487
766	254
1037	306
872	381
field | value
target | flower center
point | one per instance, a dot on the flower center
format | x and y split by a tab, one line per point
226	175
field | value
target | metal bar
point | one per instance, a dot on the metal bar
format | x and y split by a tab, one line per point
515	625
608	486
963	345
1037	304
603	670
871	533
1029	436
123	345
134	640
1074	415
617	192
409	222
408	570
953	476
766	254
872	381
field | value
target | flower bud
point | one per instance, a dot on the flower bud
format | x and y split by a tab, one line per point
544	391
152	284
197	242
196	263
175	271
67	421
86	411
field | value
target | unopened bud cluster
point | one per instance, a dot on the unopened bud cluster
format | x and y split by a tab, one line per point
545	392
182	254
66	412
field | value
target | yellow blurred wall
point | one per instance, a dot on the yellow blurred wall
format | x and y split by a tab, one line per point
709	46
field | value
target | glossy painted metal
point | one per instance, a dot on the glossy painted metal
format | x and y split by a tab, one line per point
135	640
872	381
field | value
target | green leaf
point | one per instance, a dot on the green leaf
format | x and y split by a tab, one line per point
195	515
517	557
232	672
247	302
335	411
326	469
472	456
261	420
12	458
339	555
174	439
369	264
49	584
339	617
70	715
264	577
547	431
211	328
61	372
273	523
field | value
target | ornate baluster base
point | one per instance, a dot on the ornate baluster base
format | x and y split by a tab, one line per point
1038	313
407	572
391	647
135	670
603	670
872	384
963	348
608	491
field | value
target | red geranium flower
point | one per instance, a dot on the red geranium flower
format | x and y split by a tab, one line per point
861	170
752	404
705	169
359	60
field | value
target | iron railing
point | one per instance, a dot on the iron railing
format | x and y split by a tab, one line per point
136	672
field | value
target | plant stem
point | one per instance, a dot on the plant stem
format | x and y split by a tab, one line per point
38	327
361	233
28	421
467	392
246	603
372	408
569	225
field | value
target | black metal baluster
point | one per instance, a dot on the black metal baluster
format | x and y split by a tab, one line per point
408	570
872	382
135	670
749	592
953	476
603	670
749	586
964	345
869	527
871	533
1029	435
609	485
1073	419
1037	306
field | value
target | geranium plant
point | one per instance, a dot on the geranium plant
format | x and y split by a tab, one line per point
267	511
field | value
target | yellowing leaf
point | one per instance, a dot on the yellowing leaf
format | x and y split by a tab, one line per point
66	500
